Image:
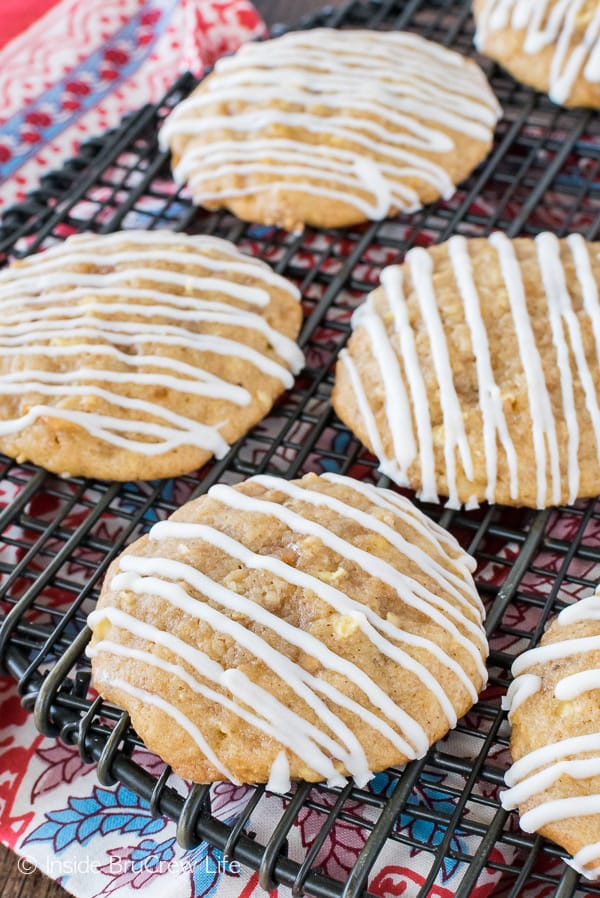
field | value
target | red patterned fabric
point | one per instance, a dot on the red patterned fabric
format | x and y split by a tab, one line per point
77	70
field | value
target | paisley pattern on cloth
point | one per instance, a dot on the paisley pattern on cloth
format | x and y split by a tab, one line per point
79	68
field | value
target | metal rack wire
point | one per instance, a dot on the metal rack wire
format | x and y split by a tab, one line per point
59	535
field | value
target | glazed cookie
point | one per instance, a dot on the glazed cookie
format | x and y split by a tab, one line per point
473	371
310	629
554	707
140	354
551	45
330	128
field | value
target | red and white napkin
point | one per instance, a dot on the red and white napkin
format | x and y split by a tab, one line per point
71	69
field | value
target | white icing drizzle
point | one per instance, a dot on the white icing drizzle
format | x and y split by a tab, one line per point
540	406
237	262
570	687
548	754
170	580
57	277
424	525
157	334
104	427
156	701
520	690
210	669
559	809
397	407
408	590
279	778
374	185
548	24
589	291
296	678
490	399
196	431
561	309
583	857
407	413
386	465
63	296
347	166
290	729
222	389
536	772
585	609
426	563
366	619
391	279
564	649
145	579
216	389
544	779
415	88
54	320
421	271
31	321
252	694
371	176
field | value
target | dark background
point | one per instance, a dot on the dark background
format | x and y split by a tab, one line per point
14	884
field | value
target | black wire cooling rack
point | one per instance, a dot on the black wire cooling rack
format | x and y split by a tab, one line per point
59	535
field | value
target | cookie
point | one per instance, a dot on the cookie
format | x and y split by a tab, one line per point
310	629
473	371
140	354
551	45
329	128
554	705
